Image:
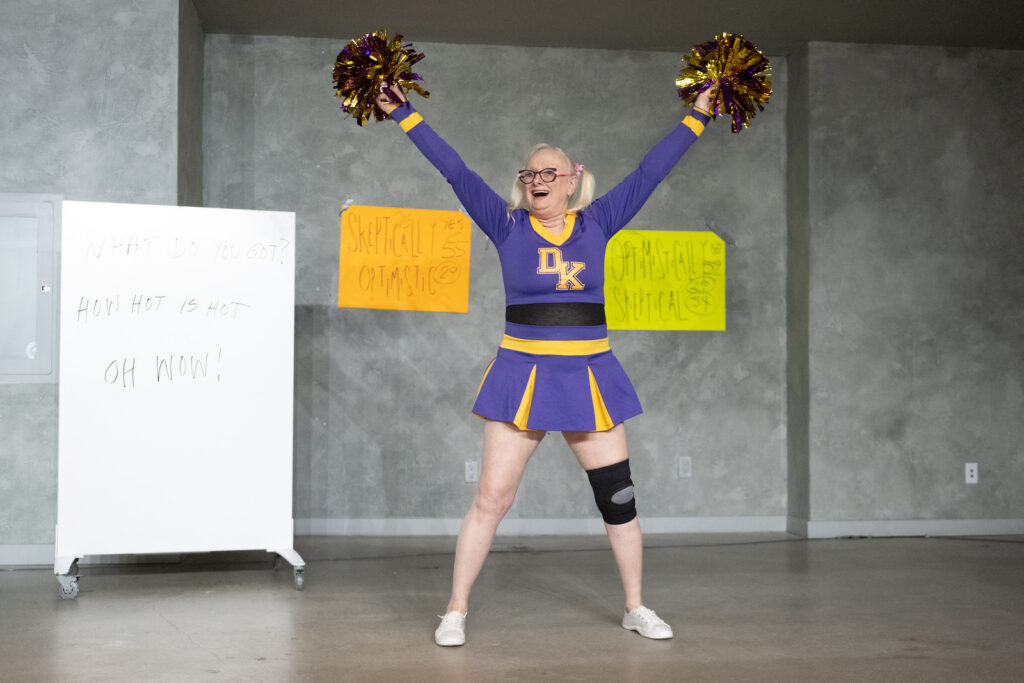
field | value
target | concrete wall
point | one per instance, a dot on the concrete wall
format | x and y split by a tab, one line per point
798	402
190	105
89	94
916	283
382	398
875	289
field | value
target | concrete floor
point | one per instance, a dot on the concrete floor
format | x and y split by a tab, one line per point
764	607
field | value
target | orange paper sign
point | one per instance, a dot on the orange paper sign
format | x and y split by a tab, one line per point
404	259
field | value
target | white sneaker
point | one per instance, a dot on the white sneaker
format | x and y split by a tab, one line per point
452	630
644	621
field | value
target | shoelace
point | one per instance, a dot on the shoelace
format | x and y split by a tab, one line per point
450	617
648	616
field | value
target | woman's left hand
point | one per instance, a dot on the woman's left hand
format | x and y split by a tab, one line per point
705	98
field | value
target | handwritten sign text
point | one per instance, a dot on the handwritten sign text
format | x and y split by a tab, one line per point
665	280
406	259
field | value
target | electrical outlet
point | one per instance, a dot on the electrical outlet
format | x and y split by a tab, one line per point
685	467
472	471
970	473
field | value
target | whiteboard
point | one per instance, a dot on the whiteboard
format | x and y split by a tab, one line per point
176	380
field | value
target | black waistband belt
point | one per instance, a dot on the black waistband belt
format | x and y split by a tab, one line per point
569	313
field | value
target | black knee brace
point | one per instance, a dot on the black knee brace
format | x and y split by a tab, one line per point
613	491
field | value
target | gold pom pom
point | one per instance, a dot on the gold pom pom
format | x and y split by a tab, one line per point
370	64
737	73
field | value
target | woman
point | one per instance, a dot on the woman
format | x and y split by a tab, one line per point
554	369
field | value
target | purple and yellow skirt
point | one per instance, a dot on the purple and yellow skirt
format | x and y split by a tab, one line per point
556	379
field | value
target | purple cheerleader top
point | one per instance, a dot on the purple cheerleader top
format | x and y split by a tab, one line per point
552	376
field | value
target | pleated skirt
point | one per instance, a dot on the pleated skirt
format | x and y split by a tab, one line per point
556	379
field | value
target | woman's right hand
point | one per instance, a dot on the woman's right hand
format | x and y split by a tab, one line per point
389	98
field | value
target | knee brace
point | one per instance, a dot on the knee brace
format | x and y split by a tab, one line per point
613	491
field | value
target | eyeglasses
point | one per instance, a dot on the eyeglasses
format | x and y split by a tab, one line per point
548	175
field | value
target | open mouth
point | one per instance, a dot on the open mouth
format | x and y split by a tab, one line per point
539	193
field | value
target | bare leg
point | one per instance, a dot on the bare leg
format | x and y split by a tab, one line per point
506	452
600	449
627	546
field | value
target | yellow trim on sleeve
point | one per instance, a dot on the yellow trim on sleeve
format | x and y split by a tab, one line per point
706	113
523	414
693	124
602	420
410	121
556	347
570	222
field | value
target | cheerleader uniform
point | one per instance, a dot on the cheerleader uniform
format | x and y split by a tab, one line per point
554	369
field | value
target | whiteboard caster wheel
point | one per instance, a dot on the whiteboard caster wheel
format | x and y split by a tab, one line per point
68	587
300	579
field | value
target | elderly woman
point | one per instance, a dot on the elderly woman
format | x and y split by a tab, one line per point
554	369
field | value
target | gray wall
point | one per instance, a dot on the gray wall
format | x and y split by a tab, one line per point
874	296
190	105
916	282
798	403
89	96
382	406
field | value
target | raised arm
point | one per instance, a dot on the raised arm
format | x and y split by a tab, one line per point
616	208
484	205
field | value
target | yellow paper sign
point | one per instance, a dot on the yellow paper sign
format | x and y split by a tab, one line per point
404	259
665	280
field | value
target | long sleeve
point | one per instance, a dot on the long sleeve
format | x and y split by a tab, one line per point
615	208
484	205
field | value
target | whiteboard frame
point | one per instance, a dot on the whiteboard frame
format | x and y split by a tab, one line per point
163	490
